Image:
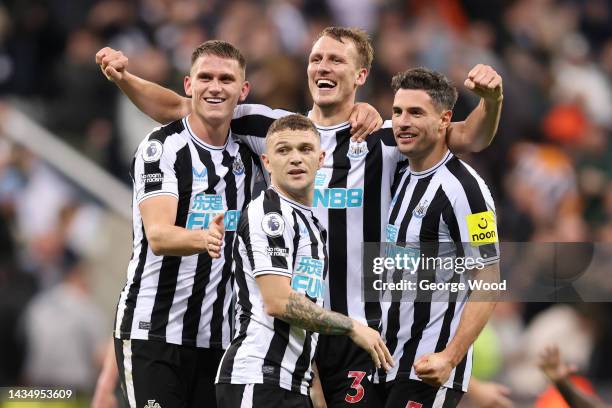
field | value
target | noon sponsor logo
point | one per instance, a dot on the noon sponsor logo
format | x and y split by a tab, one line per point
482	228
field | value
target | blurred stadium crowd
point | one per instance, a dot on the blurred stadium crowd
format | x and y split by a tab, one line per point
549	168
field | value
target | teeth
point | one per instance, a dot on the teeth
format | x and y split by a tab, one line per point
214	100
326	83
407	136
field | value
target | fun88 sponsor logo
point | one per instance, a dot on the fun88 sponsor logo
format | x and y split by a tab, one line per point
205	207
308	277
338	197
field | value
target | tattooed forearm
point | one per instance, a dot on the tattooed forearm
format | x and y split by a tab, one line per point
303	313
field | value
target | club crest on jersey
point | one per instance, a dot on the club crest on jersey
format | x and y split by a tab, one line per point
152	404
237	166
421	209
273	224
152	151
357	150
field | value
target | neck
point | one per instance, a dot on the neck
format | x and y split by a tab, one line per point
212	134
429	159
333	114
303	197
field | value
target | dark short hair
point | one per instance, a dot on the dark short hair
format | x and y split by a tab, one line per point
438	87
360	38
292	122
219	48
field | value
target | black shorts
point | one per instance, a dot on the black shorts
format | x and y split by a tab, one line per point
154	372
346	373
259	396
408	393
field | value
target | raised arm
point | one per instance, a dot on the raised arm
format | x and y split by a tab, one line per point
558	372
282	302
479	128
161	104
435	368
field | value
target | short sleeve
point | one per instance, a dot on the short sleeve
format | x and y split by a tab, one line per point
270	242
153	170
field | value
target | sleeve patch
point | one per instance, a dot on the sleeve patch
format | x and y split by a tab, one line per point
152	151
273	224
482	228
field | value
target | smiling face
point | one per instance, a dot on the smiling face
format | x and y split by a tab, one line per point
292	158
419	126
334	72
215	85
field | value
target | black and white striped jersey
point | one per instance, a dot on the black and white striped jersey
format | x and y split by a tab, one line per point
352	195
184	300
448	203
281	237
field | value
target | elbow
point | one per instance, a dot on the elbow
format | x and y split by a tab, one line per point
274	308
155	240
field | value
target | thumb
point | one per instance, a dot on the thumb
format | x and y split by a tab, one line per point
469	84
218	220
421	363
112	74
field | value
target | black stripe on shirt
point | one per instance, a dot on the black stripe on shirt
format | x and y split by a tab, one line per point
337	225
372	221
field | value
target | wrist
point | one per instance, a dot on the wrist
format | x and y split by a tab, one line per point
493	101
353	327
452	355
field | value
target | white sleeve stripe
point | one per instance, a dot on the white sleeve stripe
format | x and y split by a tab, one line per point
271	271
156	193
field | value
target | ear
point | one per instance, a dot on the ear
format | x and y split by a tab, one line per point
321	159
445	119
187	85
244	92
362	75
266	162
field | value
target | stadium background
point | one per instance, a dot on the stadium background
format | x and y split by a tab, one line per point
64	250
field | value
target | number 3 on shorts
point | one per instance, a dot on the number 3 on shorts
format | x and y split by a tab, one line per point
356	385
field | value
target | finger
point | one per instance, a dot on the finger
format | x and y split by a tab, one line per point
374	356
474	71
102	53
368	124
381	356
469	84
480	79
355	121
495	82
503	390
388	356
111	73
504	402
357	130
